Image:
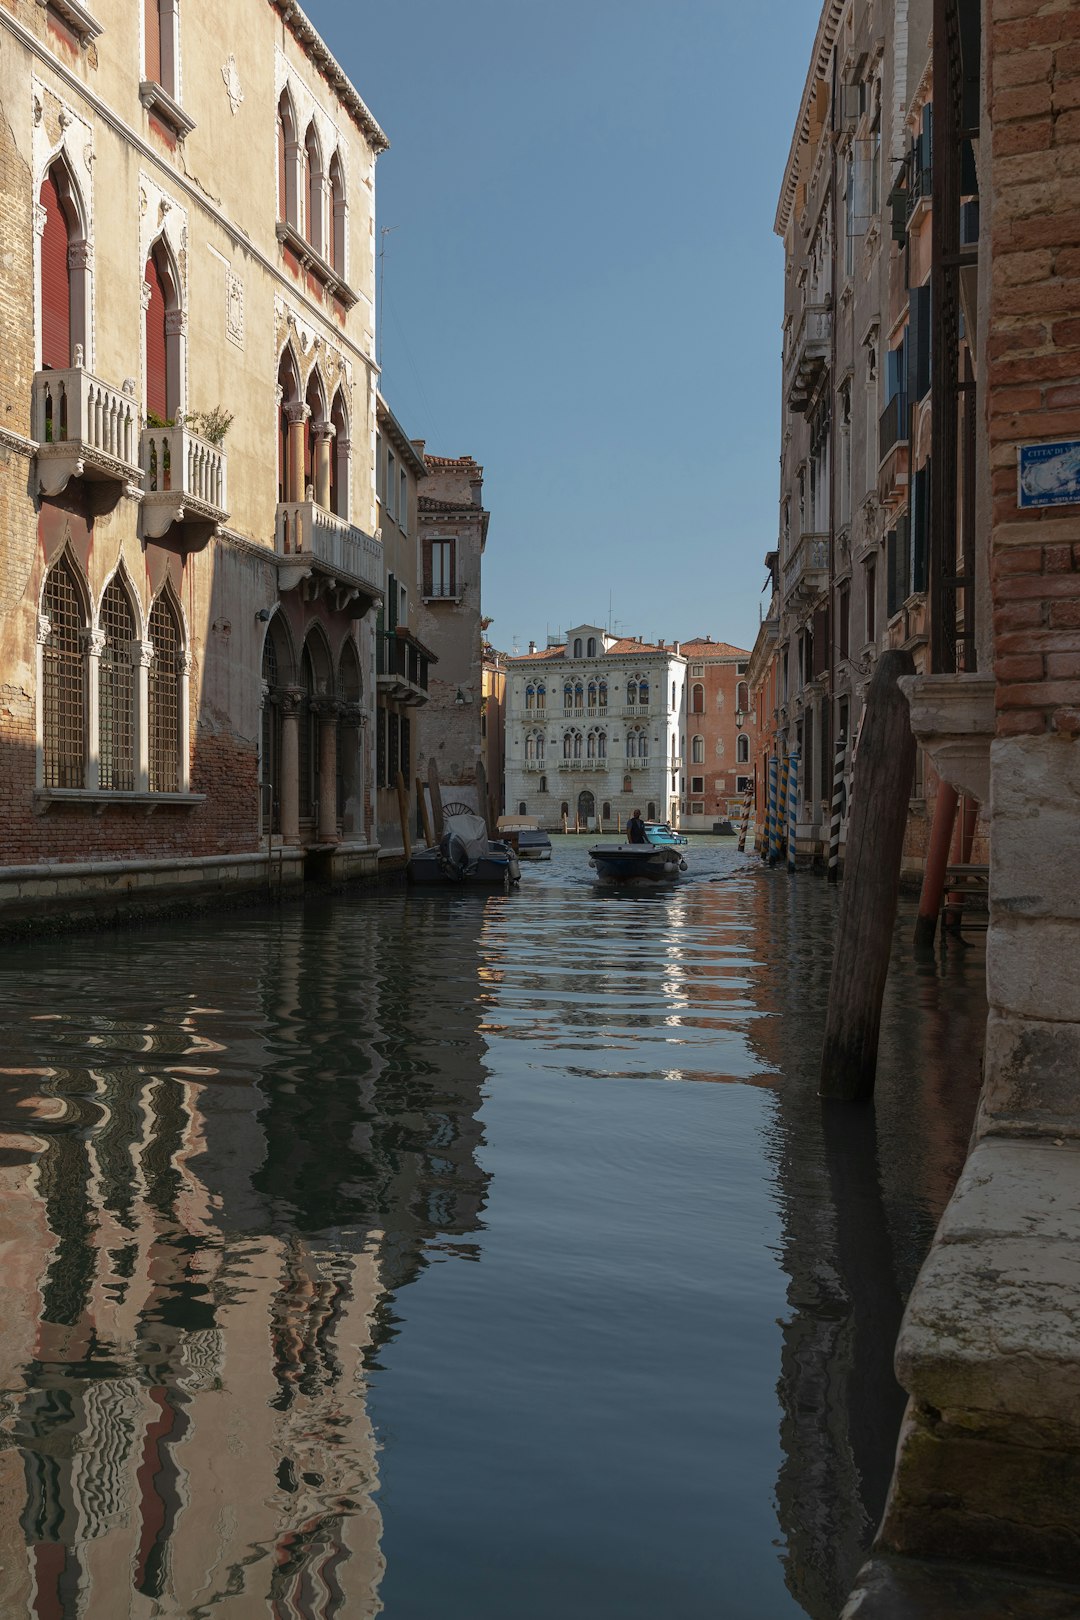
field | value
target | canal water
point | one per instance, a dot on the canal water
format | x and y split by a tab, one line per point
454	1257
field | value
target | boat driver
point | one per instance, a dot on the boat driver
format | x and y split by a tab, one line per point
635	829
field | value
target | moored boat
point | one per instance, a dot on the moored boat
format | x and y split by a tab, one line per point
465	855
525	837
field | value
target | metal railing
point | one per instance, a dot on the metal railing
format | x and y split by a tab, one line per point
893	425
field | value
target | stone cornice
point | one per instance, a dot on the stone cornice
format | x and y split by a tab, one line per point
319	54
824	40
393	430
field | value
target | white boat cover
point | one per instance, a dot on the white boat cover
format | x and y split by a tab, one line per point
467	840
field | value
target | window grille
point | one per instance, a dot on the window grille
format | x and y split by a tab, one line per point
64	688
164	692
116	693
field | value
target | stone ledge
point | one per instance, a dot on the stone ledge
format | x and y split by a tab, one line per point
992	1329
1031	1069
918	1589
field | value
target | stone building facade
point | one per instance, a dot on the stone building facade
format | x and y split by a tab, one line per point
452	528
595	729
718	726
188	568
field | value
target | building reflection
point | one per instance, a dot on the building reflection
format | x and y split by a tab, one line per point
859	1192
203	1226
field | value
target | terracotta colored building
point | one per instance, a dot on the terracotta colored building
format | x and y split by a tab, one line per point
719	729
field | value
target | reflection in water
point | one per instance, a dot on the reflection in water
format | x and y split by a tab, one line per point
227	1148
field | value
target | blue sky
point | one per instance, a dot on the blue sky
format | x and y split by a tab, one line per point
583	289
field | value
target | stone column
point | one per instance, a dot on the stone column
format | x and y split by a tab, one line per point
141	654
93	647
324	439
327	713
289	801
352	770
297	415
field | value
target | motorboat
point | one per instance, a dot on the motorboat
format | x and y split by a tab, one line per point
465	854
626	863
526	837
659	832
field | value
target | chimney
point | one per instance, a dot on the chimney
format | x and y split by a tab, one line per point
418	445
532	646
674	646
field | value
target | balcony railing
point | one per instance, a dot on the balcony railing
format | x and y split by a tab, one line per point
892	425
84	429
635	709
533	765
640	762
184	479
584	764
317	545
807	569
401	670
440	591
808	355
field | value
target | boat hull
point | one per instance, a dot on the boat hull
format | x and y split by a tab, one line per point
636	863
495	871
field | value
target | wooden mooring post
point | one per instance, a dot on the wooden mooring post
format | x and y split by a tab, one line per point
879	806
937	860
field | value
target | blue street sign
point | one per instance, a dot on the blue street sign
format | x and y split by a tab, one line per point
1048	474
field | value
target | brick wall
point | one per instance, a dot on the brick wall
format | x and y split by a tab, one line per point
1033	366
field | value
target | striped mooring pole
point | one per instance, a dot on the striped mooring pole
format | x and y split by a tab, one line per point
781	808
748	803
772	851
837	806
793	807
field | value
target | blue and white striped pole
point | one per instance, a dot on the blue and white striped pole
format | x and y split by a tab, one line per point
793	808
781	810
837	807
772	851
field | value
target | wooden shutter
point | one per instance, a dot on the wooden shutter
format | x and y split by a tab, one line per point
427	568
55	281
157	365
453	567
152	56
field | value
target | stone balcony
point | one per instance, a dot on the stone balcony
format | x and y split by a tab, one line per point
184	482
639	764
635	710
584	764
401	668
533	765
808	356
806	572
326	555
85	428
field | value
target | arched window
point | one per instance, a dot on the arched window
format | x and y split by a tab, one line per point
631	744
590	745
673	697
697	698
64	270
602	694
631	693
530	747
543	784
288	163
315	401
338	232
628	784
313	191
340	447
541	695
164	324
568	746
289	386
530	697
742	696
742	749
564	810
539	746
116	692
523	808
606	811
590	651
697	750
579	696
568	696
592	694
643	694
650	812
276	674
63	672
643	745
305	733
577	646
164	697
